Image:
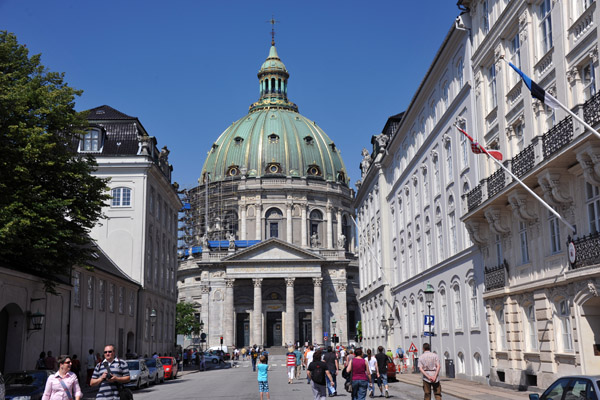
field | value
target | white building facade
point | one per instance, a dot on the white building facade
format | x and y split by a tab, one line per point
409	205
541	278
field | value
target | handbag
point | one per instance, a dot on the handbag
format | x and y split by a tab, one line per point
125	393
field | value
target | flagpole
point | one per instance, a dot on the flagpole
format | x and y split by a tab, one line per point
571	113
546	205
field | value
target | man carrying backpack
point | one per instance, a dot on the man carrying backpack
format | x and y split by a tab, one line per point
254	357
318	374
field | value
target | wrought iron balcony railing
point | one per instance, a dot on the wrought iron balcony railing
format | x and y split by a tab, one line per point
496	277
587	250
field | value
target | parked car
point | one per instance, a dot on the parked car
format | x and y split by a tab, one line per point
577	387
170	366
391	370
26	384
221	350
155	370
213	357
138	371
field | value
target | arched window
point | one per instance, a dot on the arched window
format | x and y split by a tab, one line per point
460	364
121	197
477	365
500	330
273	85
346	231
316	224
563	329
531	333
273	218
444	309
457	307
449	165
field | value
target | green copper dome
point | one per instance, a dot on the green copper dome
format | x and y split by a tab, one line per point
274	140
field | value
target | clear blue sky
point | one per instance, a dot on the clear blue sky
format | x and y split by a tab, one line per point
187	69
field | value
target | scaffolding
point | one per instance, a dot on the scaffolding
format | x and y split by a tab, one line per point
210	212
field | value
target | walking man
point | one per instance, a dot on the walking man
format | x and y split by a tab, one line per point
429	365
109	374
254	357
90	363
332	366
382	362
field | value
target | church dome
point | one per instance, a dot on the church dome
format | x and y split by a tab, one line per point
274	140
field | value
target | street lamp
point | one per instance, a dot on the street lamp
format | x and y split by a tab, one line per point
201	333
429	300
152	321
333	322
388	326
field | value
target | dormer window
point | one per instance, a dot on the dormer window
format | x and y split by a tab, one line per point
238	140
308	139
273	138
332	145
214	147
341	177
233	170
273	168
91	141
314	170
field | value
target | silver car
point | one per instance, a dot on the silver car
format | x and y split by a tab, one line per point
576	387
156	370
139	373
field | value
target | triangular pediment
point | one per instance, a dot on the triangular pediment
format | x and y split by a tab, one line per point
274	250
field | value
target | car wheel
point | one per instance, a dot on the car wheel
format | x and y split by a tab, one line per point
157	380
138	385
174	376
215	361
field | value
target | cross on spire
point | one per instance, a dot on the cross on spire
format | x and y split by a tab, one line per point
272	21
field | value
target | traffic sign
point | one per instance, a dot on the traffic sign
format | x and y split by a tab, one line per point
429	320
413	348
326	334
428	334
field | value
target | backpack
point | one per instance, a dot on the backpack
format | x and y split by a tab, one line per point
254	354
318	373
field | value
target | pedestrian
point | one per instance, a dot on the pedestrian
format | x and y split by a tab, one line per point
64	383
400	358
155	356
109	373
308	358
254	357
99	358
244	354
298	355
373	370
202	358
349	357
291	364
382	362
185	359
429	365
319	375
75	366
50	361
360	375
90	364
263	378
333	365
266	354
41	362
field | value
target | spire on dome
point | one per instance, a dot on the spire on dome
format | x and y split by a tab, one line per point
272	21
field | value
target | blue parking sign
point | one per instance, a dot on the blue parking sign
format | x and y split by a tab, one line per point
429	320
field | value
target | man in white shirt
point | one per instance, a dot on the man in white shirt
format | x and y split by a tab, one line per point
90	362
309	359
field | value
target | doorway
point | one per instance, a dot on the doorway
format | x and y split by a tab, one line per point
242	330
12	331
305	327
274	328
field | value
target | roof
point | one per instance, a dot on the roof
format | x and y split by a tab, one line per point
107	112
103	262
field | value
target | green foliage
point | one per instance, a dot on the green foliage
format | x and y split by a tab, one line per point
185	319
49	200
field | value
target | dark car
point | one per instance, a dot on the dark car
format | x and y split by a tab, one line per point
26	384
576	387
170	366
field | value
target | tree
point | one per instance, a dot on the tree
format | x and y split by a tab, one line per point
186	322
49	199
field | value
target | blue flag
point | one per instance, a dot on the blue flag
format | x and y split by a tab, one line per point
536	90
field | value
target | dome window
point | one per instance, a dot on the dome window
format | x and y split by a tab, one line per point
214	147
341	177
308	139
233	170
238	140
273	168
332	145
273	138
314	170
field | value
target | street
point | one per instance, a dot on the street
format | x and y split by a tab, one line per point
240	382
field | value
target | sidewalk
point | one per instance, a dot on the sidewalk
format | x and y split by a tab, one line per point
467	390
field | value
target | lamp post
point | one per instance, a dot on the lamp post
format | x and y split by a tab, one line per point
429	300
333	323
153	322
388	327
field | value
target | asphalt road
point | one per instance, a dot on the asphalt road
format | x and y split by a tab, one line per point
239	382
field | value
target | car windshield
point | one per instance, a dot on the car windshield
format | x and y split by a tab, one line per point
133	365
151	363
26	379
166	361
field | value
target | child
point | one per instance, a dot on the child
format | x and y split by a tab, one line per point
263	380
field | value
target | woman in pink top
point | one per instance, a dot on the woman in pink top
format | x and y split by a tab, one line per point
360	375
63	385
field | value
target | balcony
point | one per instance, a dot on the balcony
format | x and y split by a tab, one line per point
496	277
587	250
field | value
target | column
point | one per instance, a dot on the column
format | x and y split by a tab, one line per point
289	222
205	290
303	227
258	230
329	227
257	314
338	215
290	312
317	317
341	311
228	319
243	222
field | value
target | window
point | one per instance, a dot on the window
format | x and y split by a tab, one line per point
499	255
121	300
515	58
131	304
413	318
445	95
440	241
546	26
593	206
436	174
453	234
146	323
101	295
492	92
460	365
464	148
316	219
564	316
474	303
524	242
500	331
90	292
121	197
460	67
457	308
425	186
477	365
588	79
531	339
428	250
273	218
583	5
554	233
485	17
444	307
111	297
91	141
405	319
76	289
449	166
519	137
